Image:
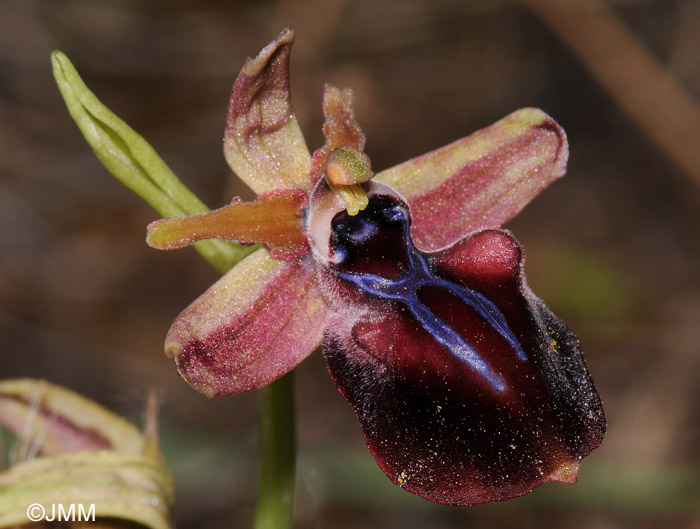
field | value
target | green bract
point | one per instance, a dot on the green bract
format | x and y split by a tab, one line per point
134	162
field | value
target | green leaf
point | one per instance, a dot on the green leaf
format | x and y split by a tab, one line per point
132	487
134	162
79	455
62	419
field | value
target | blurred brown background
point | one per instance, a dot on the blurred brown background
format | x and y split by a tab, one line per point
613	248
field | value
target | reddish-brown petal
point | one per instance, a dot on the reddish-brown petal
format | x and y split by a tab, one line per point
251	327
480	181
275	219
263	143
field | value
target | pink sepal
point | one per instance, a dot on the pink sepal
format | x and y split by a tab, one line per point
251	327
481	181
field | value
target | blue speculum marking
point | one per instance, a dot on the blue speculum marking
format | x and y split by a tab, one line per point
403	289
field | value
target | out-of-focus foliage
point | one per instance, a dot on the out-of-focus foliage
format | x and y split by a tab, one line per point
71	452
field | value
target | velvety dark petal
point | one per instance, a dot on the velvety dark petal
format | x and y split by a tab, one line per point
468	388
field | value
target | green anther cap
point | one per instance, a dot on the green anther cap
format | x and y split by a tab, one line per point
347	166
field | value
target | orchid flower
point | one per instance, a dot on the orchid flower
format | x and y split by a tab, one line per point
468	388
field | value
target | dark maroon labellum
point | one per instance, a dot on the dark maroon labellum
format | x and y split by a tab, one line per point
468	388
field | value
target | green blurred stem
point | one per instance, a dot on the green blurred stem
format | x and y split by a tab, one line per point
277	473
137	165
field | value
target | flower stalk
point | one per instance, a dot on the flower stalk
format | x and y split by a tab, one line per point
277	471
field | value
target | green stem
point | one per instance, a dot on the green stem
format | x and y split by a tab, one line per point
276	478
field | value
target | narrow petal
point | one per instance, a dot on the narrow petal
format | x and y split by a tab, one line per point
480	181
251	327
468	388
274	219
59	420
263	143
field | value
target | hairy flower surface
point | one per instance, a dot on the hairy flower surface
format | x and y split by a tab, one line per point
469	389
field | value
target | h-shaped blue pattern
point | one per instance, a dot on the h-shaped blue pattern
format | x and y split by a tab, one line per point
404	288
